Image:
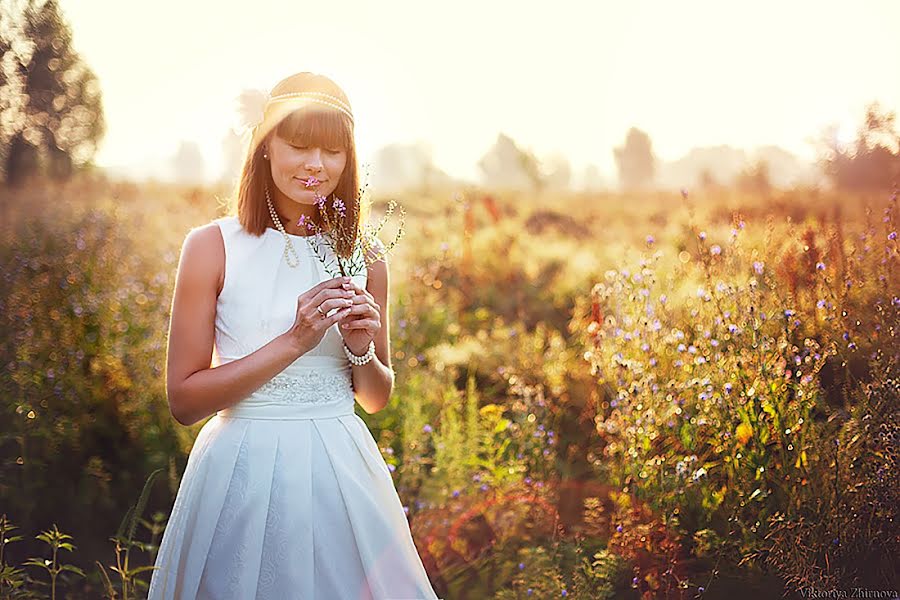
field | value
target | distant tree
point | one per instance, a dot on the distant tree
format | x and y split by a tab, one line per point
188	163
406	166
10	84
232	155
52	94
872	162
755	179
635	161
506	165
556	172
592	180
706	180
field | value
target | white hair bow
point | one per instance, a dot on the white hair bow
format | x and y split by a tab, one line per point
250	107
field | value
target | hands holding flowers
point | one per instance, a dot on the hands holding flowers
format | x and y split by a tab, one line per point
360	325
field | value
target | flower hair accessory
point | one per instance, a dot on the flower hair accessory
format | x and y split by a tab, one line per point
252	104
250	109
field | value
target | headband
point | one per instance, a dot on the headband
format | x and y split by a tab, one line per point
253	105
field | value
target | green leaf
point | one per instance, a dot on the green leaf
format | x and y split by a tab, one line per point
142	502
73	569
35	562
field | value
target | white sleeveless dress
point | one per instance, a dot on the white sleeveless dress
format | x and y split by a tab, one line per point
285	494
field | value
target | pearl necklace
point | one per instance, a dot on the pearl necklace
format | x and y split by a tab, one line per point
288	243
353	358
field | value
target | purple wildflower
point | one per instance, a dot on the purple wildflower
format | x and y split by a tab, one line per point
758	267
715	250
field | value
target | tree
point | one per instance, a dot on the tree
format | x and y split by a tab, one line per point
188	163
406	166
233	148
635	160
505	165
872	163
755	178
706	180
556	172
592	180
51	95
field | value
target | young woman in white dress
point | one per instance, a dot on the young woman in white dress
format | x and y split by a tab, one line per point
285	494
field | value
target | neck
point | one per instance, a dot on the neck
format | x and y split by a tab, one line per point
291	216
290	222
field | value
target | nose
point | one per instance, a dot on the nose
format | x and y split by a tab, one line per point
314	160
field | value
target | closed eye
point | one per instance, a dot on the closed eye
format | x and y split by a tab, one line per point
329	150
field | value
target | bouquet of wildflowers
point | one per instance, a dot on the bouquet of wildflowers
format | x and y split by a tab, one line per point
339	233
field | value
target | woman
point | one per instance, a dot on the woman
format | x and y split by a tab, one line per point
285	493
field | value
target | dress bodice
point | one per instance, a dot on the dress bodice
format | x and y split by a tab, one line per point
258	302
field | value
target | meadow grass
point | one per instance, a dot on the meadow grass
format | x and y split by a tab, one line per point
597	395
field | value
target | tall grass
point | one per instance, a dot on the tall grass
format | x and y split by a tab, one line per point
597	396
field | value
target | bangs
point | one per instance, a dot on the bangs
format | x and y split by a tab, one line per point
313	126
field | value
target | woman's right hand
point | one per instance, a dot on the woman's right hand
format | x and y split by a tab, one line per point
309	325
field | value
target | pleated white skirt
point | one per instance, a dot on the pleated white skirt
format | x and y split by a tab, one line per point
287	509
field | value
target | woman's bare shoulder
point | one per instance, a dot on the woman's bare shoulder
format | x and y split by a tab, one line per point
203	253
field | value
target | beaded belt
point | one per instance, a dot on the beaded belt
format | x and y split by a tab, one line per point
304	394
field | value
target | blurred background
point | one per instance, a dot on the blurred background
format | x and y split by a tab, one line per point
643	315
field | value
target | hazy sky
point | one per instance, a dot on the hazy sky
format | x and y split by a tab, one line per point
561	76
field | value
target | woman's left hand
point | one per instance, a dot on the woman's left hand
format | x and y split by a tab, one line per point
360	325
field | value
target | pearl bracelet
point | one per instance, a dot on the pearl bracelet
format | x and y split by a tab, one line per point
363	359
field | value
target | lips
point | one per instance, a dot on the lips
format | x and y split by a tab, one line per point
315	182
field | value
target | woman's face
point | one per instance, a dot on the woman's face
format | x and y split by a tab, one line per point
291	164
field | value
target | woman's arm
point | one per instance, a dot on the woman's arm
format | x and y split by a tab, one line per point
194	389
374	380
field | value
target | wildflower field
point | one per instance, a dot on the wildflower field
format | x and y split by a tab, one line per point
658	395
